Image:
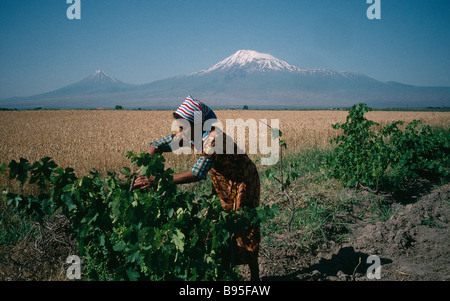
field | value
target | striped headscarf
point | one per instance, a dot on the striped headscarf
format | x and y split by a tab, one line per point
192	107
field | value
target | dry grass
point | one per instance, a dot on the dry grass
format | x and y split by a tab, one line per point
99	138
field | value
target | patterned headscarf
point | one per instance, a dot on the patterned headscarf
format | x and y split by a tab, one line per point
192	107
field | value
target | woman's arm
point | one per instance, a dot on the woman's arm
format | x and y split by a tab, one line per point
185	177
161	146
152	150
181	178
143	182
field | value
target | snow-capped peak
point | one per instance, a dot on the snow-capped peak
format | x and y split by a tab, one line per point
101	76
251	61
243	57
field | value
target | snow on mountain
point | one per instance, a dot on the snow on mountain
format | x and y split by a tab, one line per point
98	82
251	61
100	76
262	70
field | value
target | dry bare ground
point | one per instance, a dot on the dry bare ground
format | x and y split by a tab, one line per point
413	246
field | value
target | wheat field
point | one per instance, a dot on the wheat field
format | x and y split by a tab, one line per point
99	139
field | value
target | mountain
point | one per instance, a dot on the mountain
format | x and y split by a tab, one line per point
247	77
91	92
261	80
97	83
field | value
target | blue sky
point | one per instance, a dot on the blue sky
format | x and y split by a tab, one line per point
139	41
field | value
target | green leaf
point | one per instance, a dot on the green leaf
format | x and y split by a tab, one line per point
126	171
269	173
19	170
143	170
170	212
2	168
91	216
101	240
47	206
178	240
134	256
132	274
120	246
67	198
42	172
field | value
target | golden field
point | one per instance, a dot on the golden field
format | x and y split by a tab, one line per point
87	139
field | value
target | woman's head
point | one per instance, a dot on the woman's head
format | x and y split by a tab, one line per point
185	126
195	112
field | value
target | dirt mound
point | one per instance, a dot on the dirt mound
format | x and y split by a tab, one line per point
415	242
412	245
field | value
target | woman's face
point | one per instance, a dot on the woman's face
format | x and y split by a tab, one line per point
186	130
187	133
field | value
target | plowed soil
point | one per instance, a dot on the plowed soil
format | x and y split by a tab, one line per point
412	245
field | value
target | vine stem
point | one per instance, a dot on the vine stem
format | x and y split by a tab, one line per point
284	191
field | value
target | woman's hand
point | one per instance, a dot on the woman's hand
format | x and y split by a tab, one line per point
143	182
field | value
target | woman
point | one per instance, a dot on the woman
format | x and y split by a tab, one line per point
234	177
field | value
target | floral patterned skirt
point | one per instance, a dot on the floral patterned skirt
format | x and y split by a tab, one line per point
236	182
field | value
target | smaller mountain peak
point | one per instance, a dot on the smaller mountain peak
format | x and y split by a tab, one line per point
99	71
100	75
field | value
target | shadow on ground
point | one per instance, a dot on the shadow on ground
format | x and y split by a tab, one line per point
345	265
